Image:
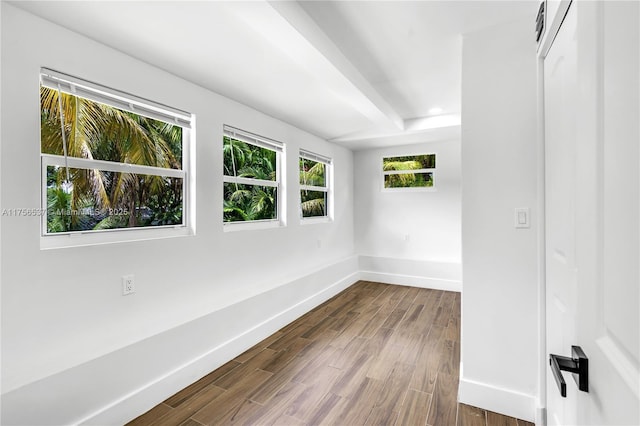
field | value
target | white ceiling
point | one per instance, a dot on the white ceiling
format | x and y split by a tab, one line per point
359	73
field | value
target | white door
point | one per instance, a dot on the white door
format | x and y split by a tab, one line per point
592	192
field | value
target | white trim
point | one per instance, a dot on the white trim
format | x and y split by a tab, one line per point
541	415
110	166
540	235
250	181
411	189
112	236
411	154
407	172
281	191
252	138
315	157
98	93
445	274
314	188
499	400
252	225
315	219
412	281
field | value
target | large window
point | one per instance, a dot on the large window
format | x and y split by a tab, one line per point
314	185
110	161
409	172
251	179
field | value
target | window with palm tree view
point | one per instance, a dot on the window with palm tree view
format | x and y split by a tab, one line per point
109	160
314	184
410	171
251	177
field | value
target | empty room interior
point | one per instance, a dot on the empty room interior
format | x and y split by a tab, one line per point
320	212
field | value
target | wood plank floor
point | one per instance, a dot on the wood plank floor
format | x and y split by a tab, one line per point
375	354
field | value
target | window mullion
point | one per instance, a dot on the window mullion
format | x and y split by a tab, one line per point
314	188
250	181
110	166
400	172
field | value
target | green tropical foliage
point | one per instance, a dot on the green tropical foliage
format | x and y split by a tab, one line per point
245	202
406	164
312	173
102	199
313	203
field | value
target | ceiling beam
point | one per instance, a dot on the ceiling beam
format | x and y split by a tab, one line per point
288	27
413	129
441	134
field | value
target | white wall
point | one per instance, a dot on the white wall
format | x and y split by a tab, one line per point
410	238
499	173
62	310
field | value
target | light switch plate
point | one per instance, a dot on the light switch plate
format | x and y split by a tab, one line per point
522	217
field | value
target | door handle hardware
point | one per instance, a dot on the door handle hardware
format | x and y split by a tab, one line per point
578	364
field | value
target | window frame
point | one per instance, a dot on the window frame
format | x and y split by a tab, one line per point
266	143
328	188
112	97
384	173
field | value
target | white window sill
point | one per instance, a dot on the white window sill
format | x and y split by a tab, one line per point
312	220
111	236
251	225
425	189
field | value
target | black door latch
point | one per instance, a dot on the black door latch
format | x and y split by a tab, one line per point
578	364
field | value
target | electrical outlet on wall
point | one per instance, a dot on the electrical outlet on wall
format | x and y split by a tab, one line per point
128	286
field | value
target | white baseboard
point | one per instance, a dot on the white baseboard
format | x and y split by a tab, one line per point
412	280
541	416
416	273
499	400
